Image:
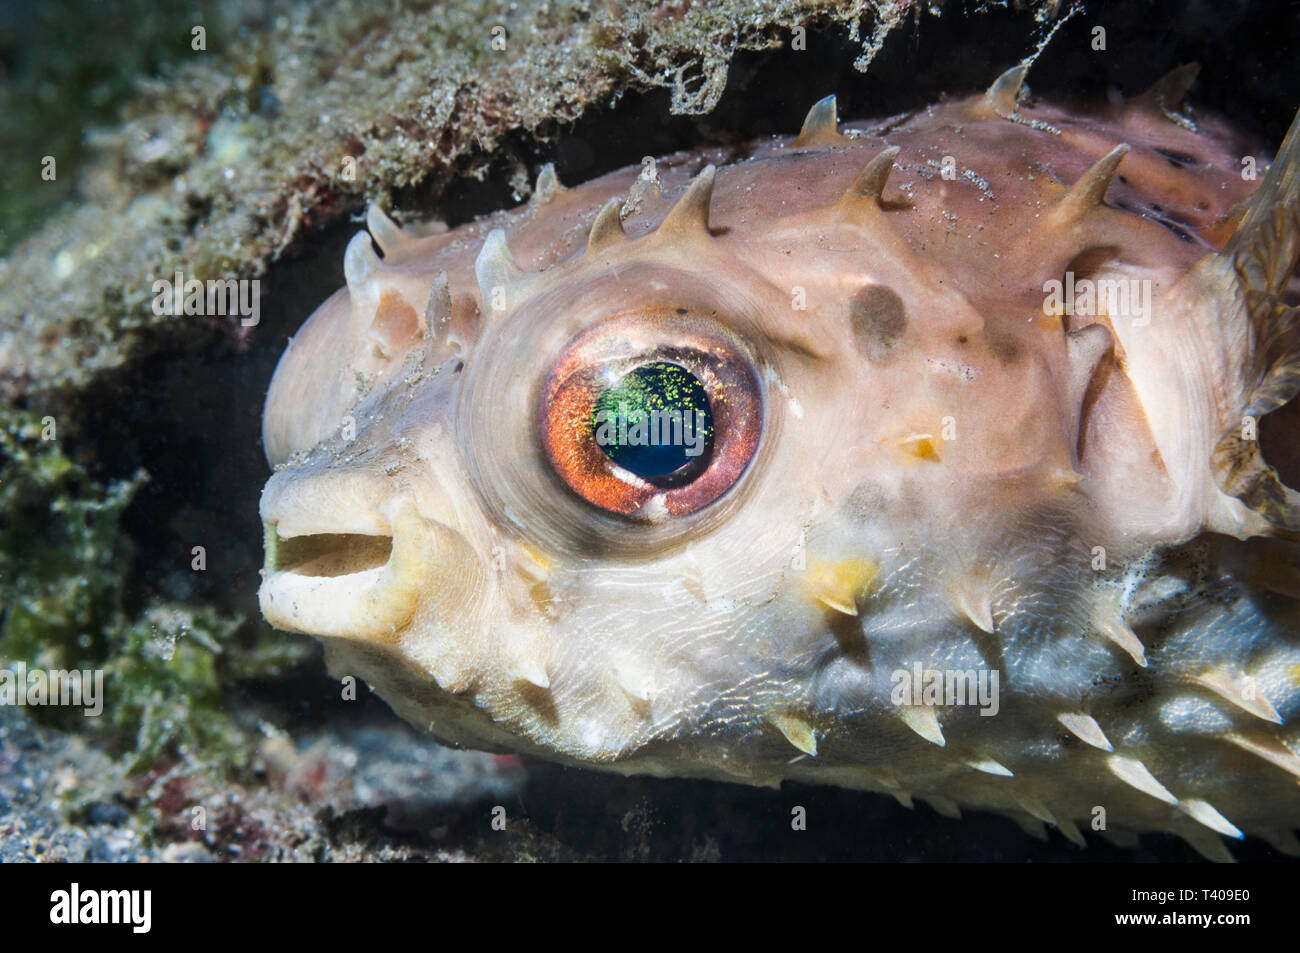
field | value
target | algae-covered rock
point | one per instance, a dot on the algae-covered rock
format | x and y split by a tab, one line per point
164	668
278	124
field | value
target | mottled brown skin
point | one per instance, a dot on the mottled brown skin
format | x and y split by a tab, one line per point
940	458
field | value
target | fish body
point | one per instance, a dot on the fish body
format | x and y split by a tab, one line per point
958	493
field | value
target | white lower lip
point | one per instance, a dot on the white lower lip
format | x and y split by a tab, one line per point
321	605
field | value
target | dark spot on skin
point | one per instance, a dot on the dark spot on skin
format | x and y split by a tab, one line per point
1155	213
990	649
848	633
867	501
1177	159
1161	219
879	321
681	310
542	702
1176	230
962	339
1005	347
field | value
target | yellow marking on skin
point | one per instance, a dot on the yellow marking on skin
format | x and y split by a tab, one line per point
841	584
922	446
695	588
541	595
1063	478
542	561
1047	319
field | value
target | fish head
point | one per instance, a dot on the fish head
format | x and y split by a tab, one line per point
680	500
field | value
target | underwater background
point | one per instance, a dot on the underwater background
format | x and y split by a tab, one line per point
129	439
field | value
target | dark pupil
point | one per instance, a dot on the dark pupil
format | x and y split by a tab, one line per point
655	421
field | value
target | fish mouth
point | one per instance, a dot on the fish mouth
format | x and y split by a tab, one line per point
325	555
345	556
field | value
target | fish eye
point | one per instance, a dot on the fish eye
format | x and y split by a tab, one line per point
656	422
652	416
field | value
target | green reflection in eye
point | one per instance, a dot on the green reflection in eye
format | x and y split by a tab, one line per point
655	420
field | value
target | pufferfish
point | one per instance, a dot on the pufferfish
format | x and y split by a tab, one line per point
918	456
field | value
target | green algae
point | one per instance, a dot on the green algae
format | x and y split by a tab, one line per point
167	669
60	551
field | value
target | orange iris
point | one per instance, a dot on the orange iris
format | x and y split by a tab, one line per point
639	390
